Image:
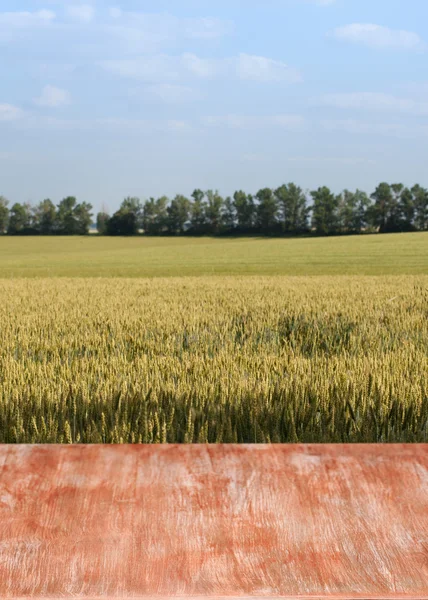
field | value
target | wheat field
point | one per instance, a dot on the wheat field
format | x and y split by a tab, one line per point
214	359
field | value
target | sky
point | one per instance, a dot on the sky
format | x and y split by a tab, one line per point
105	99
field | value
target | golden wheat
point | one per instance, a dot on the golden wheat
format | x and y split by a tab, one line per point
251	359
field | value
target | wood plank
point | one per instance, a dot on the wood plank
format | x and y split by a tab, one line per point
110	522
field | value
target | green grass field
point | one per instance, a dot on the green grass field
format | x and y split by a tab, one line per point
95	256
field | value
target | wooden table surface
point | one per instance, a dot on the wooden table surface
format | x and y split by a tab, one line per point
104	522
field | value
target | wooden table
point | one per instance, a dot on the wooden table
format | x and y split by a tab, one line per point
167	522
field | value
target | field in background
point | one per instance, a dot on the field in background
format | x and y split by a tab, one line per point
94	256
224	359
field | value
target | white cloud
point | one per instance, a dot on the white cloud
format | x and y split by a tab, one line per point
81	12
158	67
341	160
375	102
165	68
8	112
176	126
52	97
164	27
173	94
254	157
13	24
26	19
115	125
388	129
260	68
290	122
204	28
377	36
115	12
200	67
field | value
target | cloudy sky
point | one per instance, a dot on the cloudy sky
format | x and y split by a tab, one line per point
103	100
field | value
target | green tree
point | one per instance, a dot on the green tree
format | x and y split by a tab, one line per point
4	214
395	217
73	218
198	195
213	210
325	218
352	211
228	215
267	211
149	216
132	204
178	214
83	217
102	222
123	222
420	200
19	219
293	208
66	221
362	212
45	217
198	215
161	215
155	216
245	211
383	206
407	210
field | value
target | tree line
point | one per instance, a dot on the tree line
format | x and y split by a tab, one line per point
67	218
287	210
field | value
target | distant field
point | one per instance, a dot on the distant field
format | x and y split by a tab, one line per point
94	256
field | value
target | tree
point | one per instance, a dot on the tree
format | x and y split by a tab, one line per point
102	222
228	215
420	200
293	208
178	215
383	206
352	211
407	210
155	216
198	216
325	218
198	195
395	217
267	211
19	220
161	215
362	210
73	218
149	216
245	211
132	204
45	217
66	221
213	211
4	214
83	217
122	223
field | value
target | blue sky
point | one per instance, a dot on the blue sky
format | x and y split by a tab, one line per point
103	99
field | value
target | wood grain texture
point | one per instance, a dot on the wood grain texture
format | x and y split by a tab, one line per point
118	522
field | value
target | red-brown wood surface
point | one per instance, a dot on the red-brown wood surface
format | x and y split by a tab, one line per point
213	521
